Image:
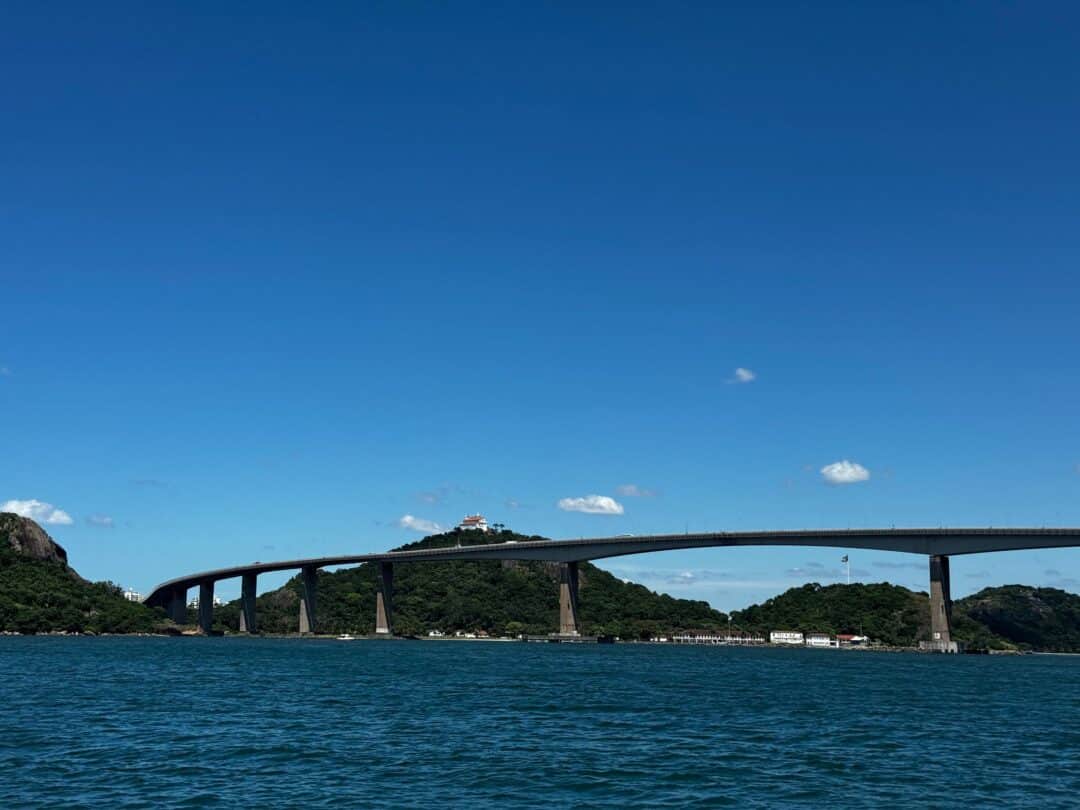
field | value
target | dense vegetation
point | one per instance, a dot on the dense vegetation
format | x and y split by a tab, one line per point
1031	618
41	595
1013	616
886	613
498	598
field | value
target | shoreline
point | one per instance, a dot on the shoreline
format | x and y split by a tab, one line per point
552	639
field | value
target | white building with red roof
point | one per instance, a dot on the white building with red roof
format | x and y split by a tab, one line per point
474	523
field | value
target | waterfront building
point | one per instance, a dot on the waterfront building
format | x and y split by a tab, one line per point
697	637
715	637
820	640
474	523
785	637
849	640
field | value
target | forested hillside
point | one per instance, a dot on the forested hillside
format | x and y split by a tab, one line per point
1012	616
491	596
40	592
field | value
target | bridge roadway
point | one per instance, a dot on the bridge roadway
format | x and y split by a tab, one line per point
938	544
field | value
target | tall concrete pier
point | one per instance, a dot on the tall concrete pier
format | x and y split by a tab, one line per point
177	605
307	601
940	606
247	604
206	606
568	599
384	600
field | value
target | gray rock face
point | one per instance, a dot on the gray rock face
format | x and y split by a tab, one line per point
25	537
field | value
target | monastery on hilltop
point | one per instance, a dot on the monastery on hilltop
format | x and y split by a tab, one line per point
474	522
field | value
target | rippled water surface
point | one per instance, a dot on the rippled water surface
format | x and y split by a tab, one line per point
144	722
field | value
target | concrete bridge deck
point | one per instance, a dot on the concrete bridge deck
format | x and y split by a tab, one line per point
938	544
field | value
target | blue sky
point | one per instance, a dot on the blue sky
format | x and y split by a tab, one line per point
274	278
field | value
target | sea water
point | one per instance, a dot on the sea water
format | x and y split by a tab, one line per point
236	722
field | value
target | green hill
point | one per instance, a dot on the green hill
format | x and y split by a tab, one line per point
1031	618
887	613
492	596
1013	616
40	592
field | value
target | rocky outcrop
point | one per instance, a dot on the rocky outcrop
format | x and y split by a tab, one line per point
25	537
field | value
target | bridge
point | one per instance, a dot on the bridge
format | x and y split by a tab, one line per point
936	544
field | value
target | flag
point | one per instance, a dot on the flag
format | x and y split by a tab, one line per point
843	559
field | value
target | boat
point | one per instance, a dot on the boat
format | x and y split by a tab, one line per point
346	637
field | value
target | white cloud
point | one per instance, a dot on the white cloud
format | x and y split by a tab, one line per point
633	491
743	375
5	371
419	524
101	521
592	505
845	472
696	580
38	511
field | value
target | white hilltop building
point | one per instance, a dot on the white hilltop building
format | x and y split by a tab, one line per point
132	595
474	523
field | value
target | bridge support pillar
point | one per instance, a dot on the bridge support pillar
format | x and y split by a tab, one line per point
940	607
247	604
307	601
177	607
568	599
384	600
206	606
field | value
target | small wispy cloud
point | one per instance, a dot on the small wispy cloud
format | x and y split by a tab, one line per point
697	579
38	511
100	521
5	371
1065	583
742	376
634	491
419	524
815	570
844	472
899	565
592	505
435	494
149	482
